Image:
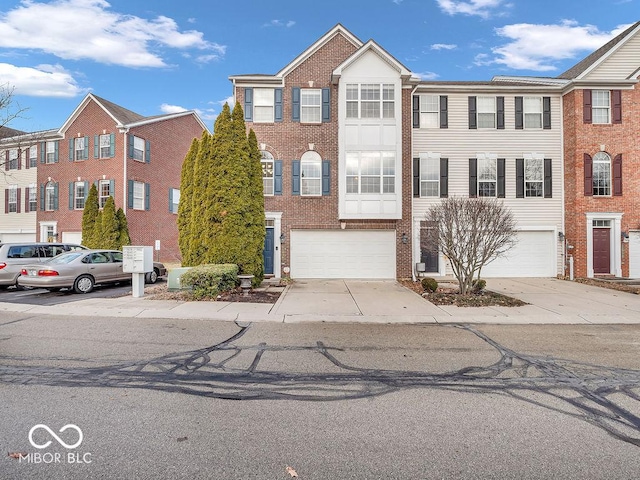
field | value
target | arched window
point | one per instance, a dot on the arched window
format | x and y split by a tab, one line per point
601	174
311	174
50	196
267	172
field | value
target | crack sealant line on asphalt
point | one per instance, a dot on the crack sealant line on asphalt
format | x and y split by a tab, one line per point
354	298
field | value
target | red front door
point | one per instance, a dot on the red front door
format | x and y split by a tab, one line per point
601	250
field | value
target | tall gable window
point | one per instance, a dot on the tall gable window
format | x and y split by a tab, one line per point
601	174
51	196
263	105
370	100
310	105
267	163
600	107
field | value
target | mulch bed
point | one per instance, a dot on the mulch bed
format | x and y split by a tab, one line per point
621	287
268	295
450	296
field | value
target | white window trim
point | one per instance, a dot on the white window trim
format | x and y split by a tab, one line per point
494	112
101	196
276	217
493	158
33	157
381	87
317	109
313	158
609	180
43	230
381	175
428	157
102	147
425	110
136	145
14	159
33	197
140	198
78	153
76	197
49	205
616	249
175	205
13	198
606	108
264	103
50	153
526	113
529	158
267	158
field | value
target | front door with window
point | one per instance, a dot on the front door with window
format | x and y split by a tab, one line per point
268	252
601	251
428	251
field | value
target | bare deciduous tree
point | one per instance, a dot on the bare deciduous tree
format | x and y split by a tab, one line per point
471	232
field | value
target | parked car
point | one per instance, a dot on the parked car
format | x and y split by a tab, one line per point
13	256
80	270
159	270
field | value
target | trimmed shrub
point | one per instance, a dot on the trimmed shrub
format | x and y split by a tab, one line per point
429	284
208	281
478	285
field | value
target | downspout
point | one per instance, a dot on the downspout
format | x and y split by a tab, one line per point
562	190
413	230
124	131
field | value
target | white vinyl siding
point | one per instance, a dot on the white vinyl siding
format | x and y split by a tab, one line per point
456	144
619	66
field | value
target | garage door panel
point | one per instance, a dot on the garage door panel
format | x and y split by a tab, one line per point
534	255
343	254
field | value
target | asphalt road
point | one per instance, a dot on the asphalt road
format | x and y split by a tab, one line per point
158	398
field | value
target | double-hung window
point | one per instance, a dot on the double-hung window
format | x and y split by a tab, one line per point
174	197
370	100
267	163
430	177
486	112
311	174
50	196
487	177
429	111
601	106
79	148
51	152
33	197
370	172
79	194
138	195
12	199
532	107
263	105
533	177
33	156
105	146
601	174
310	105
104	192
138	149
13	159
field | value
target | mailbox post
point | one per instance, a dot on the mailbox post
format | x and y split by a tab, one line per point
137	260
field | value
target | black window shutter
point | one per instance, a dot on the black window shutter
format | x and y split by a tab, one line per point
416	176
147	187
616	101
519	177
147	151
416	111
295	184
326	105
277	177
27	191
56	190
42	196
444	111
96	146
326	177
546	113
548	186
71	195
71	149
20	158
277	104
473	177
519	113
617	175
6	200
473	122
500	187
586	106
248	104
130	193
130	145
18	201
43	152
444	177
500	112
588	175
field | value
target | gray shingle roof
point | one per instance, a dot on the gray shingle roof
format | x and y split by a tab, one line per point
123	115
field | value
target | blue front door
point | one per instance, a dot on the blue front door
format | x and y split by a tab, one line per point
267	253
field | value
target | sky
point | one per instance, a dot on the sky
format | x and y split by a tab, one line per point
165	56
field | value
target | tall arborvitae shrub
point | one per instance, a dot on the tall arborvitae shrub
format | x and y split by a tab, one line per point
255	218
123	229
186	199
109	231
89	217
198	229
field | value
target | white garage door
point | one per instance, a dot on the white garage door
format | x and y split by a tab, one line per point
533	256
343	254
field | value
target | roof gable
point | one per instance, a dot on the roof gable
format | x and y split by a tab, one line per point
372	46
588	64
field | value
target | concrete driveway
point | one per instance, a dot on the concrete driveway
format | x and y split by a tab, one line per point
550	301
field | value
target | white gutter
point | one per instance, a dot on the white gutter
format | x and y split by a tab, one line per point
124	131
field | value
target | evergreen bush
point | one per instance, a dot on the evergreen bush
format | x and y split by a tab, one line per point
208	281
429	284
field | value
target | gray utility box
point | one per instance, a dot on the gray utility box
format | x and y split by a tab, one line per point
173	280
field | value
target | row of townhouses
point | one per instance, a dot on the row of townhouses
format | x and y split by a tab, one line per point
356	149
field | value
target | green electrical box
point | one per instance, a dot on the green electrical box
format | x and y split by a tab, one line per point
173	280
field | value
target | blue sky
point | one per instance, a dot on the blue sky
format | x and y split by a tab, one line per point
161	56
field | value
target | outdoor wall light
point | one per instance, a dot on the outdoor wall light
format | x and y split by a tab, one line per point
560	236
282	238
625	236
404	238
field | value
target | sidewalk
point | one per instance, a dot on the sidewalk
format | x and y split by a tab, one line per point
551	301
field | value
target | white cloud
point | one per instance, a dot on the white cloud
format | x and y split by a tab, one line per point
88	29
444	46
427	75
539	47
206	115
230	100
41	81
280	23
481	8
166	108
